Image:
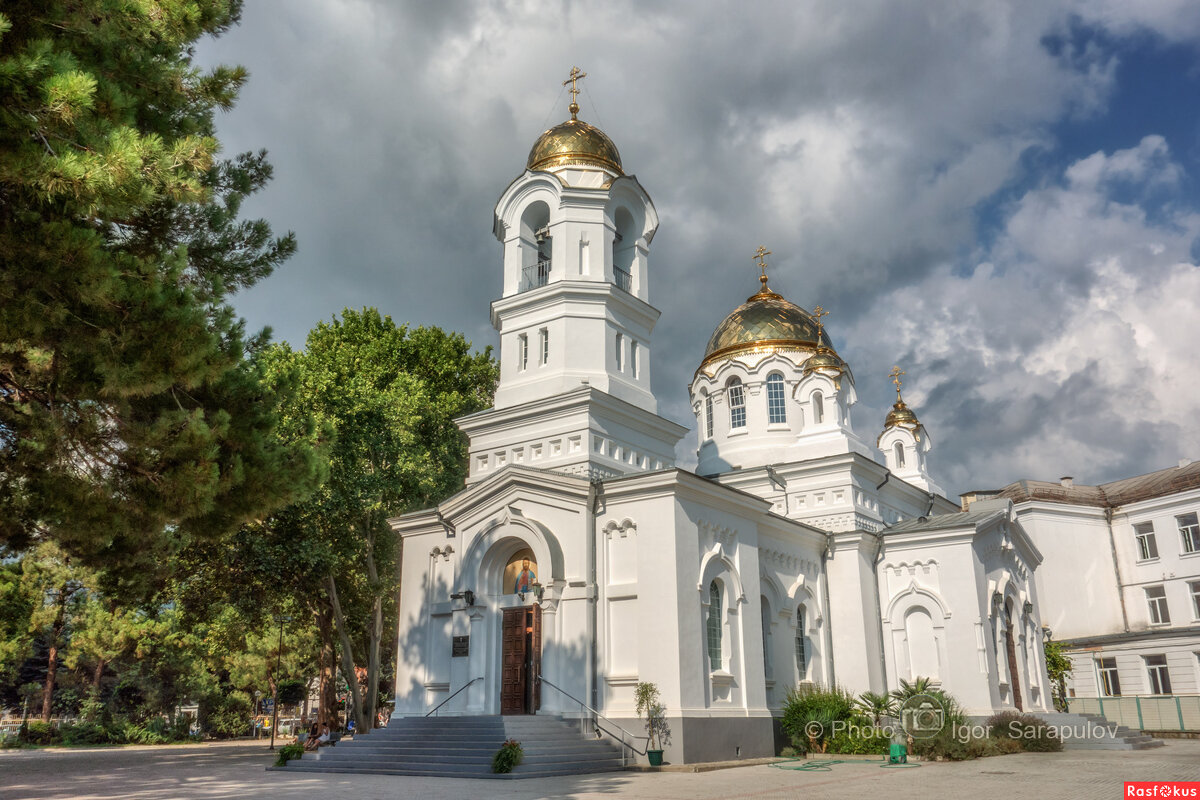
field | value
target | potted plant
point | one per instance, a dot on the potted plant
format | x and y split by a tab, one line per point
651	709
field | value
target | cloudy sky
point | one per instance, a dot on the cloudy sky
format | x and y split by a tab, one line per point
1000	197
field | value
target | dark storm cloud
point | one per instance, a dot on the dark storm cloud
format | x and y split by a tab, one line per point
856	141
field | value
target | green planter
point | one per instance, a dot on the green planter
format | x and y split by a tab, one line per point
655	757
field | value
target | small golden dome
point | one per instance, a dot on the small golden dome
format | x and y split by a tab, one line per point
901	415
824	359
574	143
765	323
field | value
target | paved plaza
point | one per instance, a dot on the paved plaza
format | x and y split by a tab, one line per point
236	770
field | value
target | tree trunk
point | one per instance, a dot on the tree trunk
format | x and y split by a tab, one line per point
376	632
347	654
60	616
97	675
326	697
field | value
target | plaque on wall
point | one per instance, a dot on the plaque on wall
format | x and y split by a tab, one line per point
460	647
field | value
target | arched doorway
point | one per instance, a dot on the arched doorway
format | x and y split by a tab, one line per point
1010	644
521	637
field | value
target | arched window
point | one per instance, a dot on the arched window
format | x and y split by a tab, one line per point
899	451
714	626
737	403
708	414
776	412
801	646
818	405
766	629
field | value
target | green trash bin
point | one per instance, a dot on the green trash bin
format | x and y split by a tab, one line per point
897	754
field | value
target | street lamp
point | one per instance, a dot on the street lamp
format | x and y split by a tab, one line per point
281	619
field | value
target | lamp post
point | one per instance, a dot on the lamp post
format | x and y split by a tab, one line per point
281	619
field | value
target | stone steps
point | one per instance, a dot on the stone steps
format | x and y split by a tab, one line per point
463	747
1094	732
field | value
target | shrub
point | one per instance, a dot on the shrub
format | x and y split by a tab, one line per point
86	733
813	704
859	740
788	752
42	733
1033	735
292	692
225	715
287	753
507	757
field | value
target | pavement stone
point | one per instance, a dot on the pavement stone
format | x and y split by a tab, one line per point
224	771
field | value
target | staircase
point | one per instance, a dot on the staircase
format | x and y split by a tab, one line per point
1094	732
462	747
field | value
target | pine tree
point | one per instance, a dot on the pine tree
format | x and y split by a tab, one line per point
133	413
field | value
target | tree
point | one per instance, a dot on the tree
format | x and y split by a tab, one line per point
60	587
132	412
1058	669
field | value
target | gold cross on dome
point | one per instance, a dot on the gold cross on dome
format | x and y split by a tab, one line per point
895	376
819	312
761	254
575	77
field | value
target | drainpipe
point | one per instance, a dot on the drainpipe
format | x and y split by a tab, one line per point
593	669
879	607
1112	544
825	555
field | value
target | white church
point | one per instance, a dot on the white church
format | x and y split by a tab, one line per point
802	548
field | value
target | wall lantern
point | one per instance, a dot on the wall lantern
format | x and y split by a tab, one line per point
1028	608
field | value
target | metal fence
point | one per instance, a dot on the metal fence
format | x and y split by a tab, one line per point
1176	712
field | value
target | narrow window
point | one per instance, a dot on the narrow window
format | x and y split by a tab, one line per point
1156	598
714	626
708	415
523	346
545	337
1110	681
1195	587
1189	529
899	450
801	646
818	404
766	636
620	353
1160	678
1147	547
776	412
633	358
737	404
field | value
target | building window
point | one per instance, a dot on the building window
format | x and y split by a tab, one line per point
899	451
1110	682
1156	597
1189	529
1160	678
776	412
801	646
633	358
714	626
620	353
737	404
544	336
1147	547
708	416
766	633
523	351
818	406
1195	587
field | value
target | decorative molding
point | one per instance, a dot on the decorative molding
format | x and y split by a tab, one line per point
622	529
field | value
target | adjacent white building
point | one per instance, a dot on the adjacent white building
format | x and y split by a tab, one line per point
799	550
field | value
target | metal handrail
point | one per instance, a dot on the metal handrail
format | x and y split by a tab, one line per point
584	705
622	279
451	697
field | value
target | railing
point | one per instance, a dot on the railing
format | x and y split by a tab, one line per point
1152	713
434	710
622	279
597	727
536	275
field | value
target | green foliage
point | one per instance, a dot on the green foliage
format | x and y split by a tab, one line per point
1058	668
292	692
651	709
859	740
877	706
788	752
810	711
226	714
1034	735
287	753
40	733
508	756
131	398
919	685
86	733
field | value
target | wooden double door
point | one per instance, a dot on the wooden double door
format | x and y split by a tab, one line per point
521	660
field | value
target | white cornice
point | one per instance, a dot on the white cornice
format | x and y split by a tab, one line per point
600	294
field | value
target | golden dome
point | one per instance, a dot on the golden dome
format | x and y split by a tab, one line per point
824	359
574	142
901	415
765	323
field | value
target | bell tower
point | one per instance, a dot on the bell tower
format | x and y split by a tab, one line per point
574	316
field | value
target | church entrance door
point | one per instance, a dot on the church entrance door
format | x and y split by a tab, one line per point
1011	645
520	660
